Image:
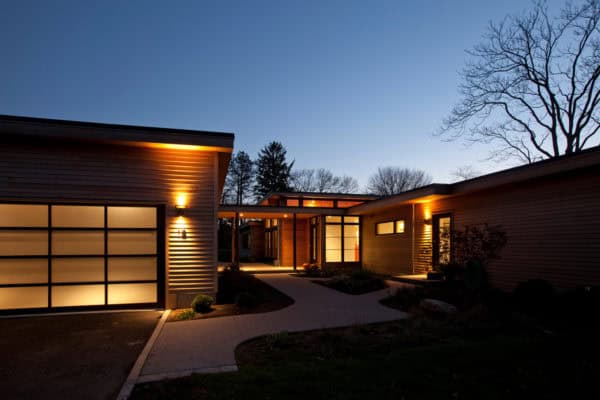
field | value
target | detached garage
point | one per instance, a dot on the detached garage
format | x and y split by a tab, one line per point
96	216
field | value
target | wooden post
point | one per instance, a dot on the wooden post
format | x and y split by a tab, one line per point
235	241
294	242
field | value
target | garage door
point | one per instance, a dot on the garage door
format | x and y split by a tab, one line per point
60	256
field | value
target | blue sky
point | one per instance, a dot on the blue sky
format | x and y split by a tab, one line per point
345	85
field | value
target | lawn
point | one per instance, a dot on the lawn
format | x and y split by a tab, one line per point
471	355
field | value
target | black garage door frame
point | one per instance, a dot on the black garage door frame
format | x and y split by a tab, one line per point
160	258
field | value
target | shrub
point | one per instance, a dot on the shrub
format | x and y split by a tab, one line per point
534	296
475	276
482	243
452	271
409	297
202	303
186	314
278	341
312	270
358	282
246	300
233	282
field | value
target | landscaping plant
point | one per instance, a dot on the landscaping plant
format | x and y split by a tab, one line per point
202	303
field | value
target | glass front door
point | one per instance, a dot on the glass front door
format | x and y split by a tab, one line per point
442	239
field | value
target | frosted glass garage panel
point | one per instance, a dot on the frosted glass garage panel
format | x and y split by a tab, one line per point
19	271
131	293
23	243
23	297
132	268
17	215
77	242
77	295
78	216
88	269
131	217
132	242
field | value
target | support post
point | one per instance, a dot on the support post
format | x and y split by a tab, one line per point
235	241
294	246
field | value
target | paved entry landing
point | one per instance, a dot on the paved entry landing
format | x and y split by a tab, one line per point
208	345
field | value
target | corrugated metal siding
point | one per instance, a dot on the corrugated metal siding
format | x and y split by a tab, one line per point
48	170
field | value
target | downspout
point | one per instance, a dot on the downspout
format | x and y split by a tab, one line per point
412	244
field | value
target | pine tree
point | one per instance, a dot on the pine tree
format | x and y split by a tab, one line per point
240	177
273	171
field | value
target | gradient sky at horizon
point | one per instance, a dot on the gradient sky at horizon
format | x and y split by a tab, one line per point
344	85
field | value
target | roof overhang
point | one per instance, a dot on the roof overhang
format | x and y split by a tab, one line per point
424	194
261	212
139	136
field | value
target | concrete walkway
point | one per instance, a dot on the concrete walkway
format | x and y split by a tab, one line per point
208	345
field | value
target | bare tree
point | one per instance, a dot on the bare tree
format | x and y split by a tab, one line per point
393	180
465	172
322	181
531	88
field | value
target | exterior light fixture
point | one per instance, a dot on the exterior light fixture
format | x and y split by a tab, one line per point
427	221
180	210
285	216
180	205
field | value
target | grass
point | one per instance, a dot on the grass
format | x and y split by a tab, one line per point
473	355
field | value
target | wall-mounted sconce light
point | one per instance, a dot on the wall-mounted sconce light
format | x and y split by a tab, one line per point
427	221
180	210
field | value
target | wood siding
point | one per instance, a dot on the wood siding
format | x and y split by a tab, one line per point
287	242
49	170
387	254
551	226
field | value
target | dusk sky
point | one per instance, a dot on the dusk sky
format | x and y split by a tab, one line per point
345	85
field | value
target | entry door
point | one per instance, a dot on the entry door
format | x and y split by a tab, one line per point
442	239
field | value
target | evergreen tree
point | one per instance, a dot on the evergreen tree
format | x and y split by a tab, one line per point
240	177
273	171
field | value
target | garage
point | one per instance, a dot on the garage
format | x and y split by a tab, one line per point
57	257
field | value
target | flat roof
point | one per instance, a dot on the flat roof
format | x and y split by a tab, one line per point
545	168
115	133
321	195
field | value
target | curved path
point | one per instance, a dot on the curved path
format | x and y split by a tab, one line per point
208	345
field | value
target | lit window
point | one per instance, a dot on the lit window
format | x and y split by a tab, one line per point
318	203
385	228
292	202
346	204
400	226
351	220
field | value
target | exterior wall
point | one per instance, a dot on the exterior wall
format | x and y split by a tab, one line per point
387	254
254	234
49	170
551	226
286	229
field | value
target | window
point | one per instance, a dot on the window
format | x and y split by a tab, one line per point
385	228
399	226
318	203
346	203
342	239
292	202
390	227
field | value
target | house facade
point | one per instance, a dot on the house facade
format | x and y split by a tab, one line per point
98	216
549	211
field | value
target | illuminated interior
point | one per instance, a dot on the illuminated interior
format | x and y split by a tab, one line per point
342	239
85	259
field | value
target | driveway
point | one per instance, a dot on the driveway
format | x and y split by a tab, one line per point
208	345
79	356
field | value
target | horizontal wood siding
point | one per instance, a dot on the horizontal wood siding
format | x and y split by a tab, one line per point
49	170
551	226
387	254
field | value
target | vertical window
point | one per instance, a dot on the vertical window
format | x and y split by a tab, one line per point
342	239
